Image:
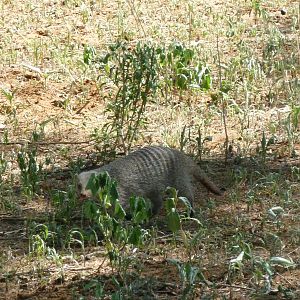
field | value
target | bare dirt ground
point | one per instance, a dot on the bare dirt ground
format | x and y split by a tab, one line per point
56	96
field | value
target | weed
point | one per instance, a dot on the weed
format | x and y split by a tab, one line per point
38	133
65	204
57	259
182	69
180	223
10	108
109	215
190	143
258	9
3	167
89	55
295	173
38	238
31	172
236	265
76	238
134	74
264	147
174	219
119	238
265	271
275	214
9	95
188	276
96	287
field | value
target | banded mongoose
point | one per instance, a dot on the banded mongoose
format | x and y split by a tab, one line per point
148	171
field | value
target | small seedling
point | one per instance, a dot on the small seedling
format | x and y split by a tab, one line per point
31	172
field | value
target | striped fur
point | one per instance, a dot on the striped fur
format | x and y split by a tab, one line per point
148	171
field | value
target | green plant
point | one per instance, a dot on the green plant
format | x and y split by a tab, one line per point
53	255
97	287
39	131
272	50
275	214
264	147
133	71
263	185
244	253
188	276
258	9
174	218
6	204
108	214
76	237
65	203
182	69
38	235
10	108
135	74
181	222
89	55
236	265
120	239
40	238
264	271
3	167
295	171
31	172
9	95
188	140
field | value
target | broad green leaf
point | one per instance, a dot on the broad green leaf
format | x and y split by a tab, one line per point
276	260
173	219
238	259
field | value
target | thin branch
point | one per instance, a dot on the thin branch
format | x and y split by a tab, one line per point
224	112
235	286
134	12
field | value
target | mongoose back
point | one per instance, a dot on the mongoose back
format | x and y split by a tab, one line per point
148	171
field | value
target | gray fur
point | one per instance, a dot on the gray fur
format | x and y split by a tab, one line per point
148	171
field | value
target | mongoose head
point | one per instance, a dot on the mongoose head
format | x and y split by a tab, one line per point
82	180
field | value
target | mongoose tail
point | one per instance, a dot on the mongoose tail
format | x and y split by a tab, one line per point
209	184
